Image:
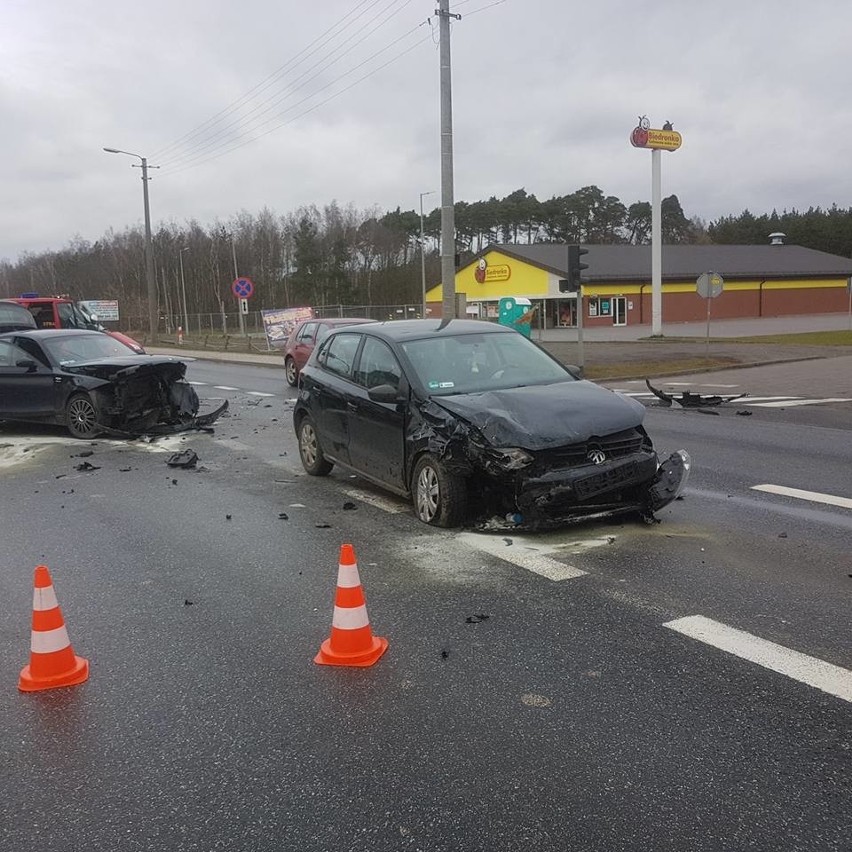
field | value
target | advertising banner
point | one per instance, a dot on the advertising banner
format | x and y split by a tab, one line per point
278	323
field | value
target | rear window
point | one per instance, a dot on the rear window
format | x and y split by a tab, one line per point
14	317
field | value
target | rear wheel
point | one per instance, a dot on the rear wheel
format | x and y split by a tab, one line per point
81	416
310	451
290	372
439	497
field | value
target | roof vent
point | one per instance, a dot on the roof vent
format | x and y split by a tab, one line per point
776	238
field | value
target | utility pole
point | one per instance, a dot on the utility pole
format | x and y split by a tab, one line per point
423	256
153	308
448	224
237	275
183	291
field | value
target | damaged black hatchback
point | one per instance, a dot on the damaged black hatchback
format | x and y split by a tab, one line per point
94	384
476	423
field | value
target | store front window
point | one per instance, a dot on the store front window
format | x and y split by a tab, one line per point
562	313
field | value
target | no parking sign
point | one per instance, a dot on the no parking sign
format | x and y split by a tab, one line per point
243	288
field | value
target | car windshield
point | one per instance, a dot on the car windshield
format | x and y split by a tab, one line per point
75	348
473	363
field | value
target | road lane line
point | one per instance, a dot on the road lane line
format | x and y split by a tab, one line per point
809	670
198	384
799	494
225	387
259	393
522	556
796	401
750	399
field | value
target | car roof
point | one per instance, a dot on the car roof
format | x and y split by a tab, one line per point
340	320
47	333
404	330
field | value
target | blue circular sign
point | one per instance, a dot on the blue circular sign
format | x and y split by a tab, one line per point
242	288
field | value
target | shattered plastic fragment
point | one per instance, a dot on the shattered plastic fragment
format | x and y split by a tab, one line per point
689	399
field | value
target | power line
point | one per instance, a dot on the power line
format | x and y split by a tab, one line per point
268	81
212	145
213	137
305	112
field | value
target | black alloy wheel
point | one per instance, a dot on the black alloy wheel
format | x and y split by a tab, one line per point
81	416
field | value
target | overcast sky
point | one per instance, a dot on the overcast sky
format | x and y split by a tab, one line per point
545	94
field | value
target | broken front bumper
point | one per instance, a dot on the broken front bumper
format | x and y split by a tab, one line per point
554	500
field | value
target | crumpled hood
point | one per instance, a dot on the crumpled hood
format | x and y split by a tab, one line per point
128	365
541	416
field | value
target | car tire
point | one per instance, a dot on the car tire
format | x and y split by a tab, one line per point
290	372
439	497
310	451
81	416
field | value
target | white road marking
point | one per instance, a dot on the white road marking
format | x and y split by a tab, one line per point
748	399
693	385
198	384
225	387
385	504
259	393
814	672
522	553
794	401
799	494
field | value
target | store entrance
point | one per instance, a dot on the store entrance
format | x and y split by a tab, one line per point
619	310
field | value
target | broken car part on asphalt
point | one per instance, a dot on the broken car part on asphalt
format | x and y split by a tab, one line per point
691	400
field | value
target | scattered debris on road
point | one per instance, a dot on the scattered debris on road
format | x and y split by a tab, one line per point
185	459
688	399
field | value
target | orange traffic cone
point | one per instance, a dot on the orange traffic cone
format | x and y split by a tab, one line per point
52	659
352	642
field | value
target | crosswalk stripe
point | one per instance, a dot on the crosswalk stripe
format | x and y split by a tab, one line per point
800	494
749	399
812	671
522	556
795	402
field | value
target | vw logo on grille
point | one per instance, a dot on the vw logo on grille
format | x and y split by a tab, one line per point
596	456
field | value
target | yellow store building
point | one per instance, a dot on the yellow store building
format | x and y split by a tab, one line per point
759	281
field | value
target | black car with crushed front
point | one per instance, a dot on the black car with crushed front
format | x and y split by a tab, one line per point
476	423
94	384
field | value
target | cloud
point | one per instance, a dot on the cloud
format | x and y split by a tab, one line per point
545	94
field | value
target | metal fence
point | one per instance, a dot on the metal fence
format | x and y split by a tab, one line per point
228	324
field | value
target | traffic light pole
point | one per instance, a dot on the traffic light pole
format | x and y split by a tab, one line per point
581	360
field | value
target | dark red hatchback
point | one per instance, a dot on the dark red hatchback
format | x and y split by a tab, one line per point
305	336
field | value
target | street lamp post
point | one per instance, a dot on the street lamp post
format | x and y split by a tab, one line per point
183	291
423	254
153	312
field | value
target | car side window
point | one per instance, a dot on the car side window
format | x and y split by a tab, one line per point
308	333
339	355
31	349
10	354
377	365
67	319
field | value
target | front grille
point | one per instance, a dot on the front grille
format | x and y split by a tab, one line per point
615	446
606	480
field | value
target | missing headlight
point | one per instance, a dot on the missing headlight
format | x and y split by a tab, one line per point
510	458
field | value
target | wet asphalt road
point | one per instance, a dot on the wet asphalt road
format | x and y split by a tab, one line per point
571	717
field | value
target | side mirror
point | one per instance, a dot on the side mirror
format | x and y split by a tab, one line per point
385	393
574	370
28	363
